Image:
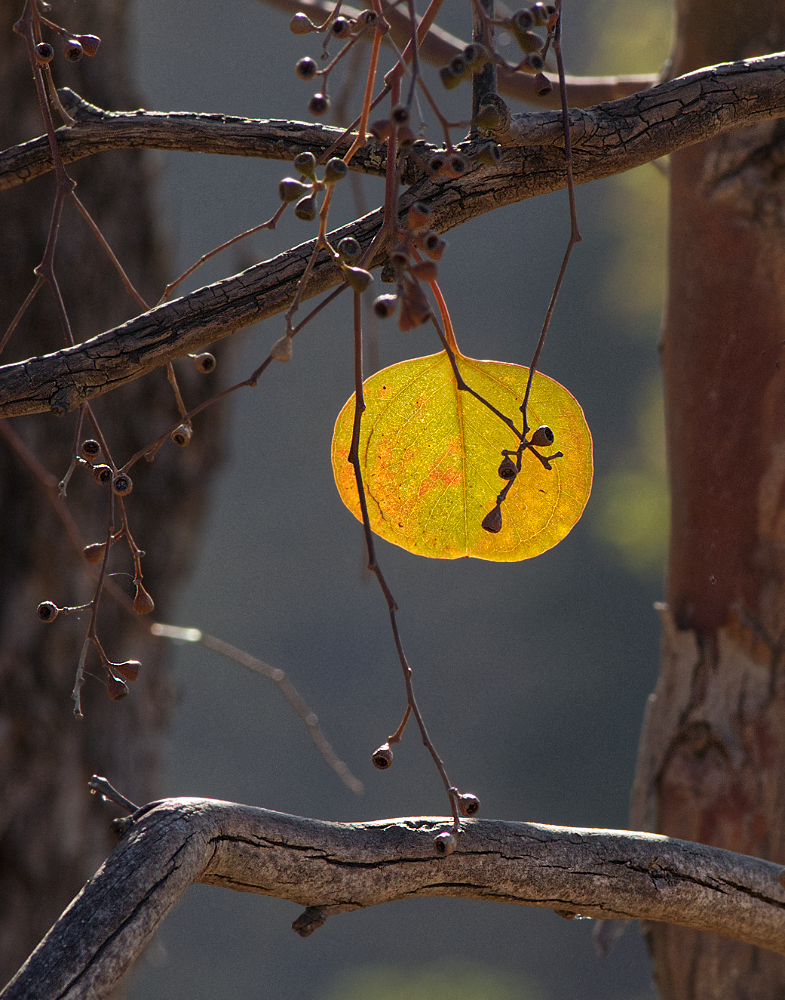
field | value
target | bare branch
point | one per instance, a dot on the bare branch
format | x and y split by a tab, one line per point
331	868
606	139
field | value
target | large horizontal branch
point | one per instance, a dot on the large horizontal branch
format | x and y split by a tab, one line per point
608	139
332	868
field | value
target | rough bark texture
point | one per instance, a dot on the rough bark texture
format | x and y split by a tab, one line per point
51	834
334	868
712	764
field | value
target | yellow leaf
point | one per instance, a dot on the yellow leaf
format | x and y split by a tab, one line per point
429	456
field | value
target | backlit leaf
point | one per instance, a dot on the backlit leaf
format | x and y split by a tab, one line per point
429	456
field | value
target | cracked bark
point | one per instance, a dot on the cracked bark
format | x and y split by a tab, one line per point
334	868
608	139
712	759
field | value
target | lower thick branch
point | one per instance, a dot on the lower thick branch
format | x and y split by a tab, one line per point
331	868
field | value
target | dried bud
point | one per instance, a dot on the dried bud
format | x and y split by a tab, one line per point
383	757
72	50
493	520
305	208
143	603
468	804
385	306
282	349
341	28
89	450
357	278
335	170
449	78
418	217
44	53
542	437
204	363
445	842
291	190
306	68
349	248
128	669
319	105
47	611
426	270
543	84
102	474
488	118
381	129
508	469
116	689
94	553
305	163
400	115
433	246
89	43
533	64
301	24
122	484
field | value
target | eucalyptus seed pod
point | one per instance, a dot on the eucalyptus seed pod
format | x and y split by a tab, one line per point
418	217
181	436
365	19
94	553
426	270
437	163
383	757
44	53
533	64
89	43
306	68
458	66
490	155
301	24
542	437
102	474
72	50
400	115
488	118
349	248
319	105
468	804
399	255
204	363
122	484
282	349
493	520
476	56
290	189
47	611
434	246
116	688
457	164
406	137
335	170
543	84
128	669
540	14
381	129
385	305
357	278
305	163
528	41
508	469
450	79
522	20
143	603
305	208
445	842
341	27
89	450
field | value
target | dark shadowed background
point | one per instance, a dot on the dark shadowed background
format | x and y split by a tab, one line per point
532	677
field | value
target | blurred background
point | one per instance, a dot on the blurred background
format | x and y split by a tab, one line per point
532	677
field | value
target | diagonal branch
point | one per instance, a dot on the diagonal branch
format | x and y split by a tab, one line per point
332	868
607	139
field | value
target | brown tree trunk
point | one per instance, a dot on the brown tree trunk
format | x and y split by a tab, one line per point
712	760
52	833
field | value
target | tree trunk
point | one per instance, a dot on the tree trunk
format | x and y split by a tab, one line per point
712	760
52	834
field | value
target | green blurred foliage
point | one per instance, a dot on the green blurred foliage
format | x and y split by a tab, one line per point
456	980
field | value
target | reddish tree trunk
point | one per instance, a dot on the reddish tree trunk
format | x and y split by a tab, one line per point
712	761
